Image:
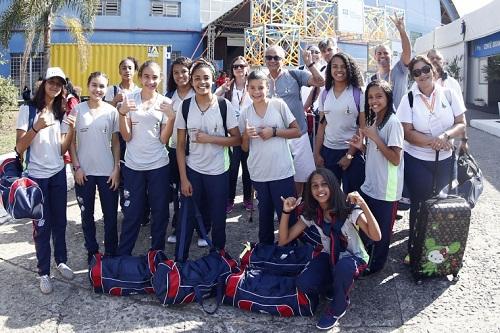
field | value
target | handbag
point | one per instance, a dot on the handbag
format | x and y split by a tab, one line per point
469	177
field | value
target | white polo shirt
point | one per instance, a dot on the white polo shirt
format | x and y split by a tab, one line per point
430	123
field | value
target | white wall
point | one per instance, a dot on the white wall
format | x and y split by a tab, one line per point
474	88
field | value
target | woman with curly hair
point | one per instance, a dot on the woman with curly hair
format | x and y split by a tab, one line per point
339	108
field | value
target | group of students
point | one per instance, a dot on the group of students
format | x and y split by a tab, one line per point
195	139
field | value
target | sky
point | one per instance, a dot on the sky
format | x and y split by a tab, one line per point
467	6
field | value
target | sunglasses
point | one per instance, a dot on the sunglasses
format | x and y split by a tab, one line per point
275	58
241	66
417	72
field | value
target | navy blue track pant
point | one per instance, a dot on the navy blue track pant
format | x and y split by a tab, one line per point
210	196
319	277
85	196
269	196
353	177
137	183
54	222
385	214
238	156
419	178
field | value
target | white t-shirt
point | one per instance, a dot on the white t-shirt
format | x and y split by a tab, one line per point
207	158
384	180
269	159
341	114
177	100
93	138
240	100
45	149
349	229
430	123
110	93
145	150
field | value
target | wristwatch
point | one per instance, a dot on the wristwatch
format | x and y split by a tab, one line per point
274	131
349	156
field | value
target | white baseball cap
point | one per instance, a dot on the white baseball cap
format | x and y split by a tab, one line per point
55	72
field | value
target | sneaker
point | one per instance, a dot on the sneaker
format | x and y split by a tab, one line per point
202	242
172	239
229	206
65	271
328	319
45	284
406	260
248	204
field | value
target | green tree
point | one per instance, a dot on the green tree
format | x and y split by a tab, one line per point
492	70
36	19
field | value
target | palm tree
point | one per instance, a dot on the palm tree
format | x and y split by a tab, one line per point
36	19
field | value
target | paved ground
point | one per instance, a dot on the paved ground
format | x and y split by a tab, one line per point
388	301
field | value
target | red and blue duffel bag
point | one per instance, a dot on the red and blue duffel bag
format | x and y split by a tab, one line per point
281	260
124	275
193	280
264	292
21	197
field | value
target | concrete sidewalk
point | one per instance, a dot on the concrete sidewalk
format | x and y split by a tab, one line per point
388	301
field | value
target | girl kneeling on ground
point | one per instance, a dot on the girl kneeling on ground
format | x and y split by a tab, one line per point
332	219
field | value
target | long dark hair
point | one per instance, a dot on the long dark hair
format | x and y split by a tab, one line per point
338	204
184	61
229	93
353	71
369	114
38	101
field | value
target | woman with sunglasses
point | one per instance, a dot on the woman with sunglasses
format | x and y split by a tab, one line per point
430	124
235	91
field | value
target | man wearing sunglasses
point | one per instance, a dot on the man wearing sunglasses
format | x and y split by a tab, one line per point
397	76
286	84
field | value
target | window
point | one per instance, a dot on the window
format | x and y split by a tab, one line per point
165	8
32	72
109	8
175	55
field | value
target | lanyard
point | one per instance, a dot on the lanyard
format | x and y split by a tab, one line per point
430	107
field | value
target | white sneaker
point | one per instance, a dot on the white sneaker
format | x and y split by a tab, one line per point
202	242
171	239
45	284
65	271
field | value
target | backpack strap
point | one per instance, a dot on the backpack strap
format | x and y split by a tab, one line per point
31	120
356	93
323	97
185	111
410	98
223	112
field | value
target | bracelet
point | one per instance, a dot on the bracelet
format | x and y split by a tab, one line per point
311	64
274	131
75	168
34	130
283	212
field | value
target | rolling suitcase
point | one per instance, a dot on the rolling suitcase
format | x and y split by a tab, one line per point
438	239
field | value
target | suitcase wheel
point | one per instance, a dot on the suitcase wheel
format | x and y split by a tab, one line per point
456	277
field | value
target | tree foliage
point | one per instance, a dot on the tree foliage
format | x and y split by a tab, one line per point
36	18
492	70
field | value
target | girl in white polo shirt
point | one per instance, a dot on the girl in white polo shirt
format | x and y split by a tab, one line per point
96	162
235	90
384	166
47	138
146	122
178	89
204	171
340	105
266	126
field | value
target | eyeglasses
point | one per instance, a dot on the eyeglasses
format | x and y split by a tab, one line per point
417	72
239	66
275	58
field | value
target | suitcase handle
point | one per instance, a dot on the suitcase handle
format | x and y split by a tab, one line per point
435	173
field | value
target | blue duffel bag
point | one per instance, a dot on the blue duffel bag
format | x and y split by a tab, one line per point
124	275
264	292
